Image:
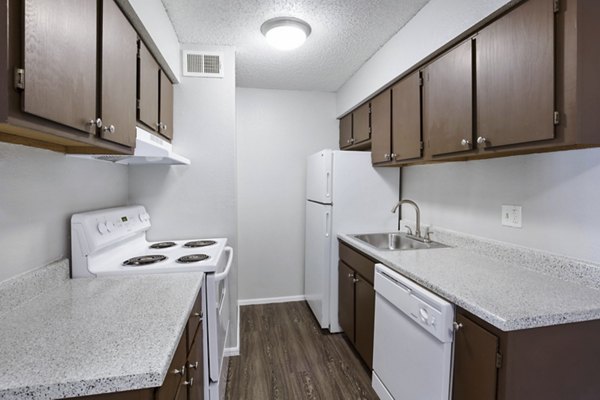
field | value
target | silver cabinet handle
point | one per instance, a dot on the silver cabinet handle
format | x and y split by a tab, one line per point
355	280
110	129
164	127
189	383
386	156
481	140
198	315
393	156
180	371
465	143
457	326
97	122
195	365
350	275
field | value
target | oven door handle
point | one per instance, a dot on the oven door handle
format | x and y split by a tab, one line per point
222	275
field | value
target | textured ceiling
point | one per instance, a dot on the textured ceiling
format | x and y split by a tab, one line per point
345	34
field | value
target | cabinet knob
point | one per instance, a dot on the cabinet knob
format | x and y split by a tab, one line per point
481	140
95	122
350	275
198	315
465	143
164	127
110	129
393	156
189	383
386	156
180	371
457	326
195	365
355	280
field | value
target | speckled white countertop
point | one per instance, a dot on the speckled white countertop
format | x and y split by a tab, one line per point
509	287
90	336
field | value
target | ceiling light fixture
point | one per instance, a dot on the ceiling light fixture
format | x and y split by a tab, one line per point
285	33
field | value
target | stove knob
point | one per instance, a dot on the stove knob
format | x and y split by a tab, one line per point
110	226
102	228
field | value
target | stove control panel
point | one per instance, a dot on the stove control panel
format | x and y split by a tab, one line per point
97	229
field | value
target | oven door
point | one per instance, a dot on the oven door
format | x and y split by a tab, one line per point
217	311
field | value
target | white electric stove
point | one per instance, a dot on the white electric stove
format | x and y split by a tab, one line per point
113	242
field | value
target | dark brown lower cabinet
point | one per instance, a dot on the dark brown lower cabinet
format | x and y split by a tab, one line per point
185	377
356	300
558	362
475	371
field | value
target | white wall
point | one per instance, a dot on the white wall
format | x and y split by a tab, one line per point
276	130
39	190
153	15
199	200
436	24
559	194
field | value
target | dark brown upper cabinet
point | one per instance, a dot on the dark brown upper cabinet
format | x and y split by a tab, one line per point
148	88
155	94
69	76
119	51
60	62
448	101
515	76
361	124
406	118
346	131
381	127
165	126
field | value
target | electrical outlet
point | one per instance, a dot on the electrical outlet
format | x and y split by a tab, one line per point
512	216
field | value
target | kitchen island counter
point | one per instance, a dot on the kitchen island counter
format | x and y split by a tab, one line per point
509	287
97	335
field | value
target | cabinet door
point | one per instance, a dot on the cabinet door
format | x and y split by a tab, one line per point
475	370
361	124
60	61
381	127
195	377
364	319
406	118
148	86
515	76
166	106
448	101
346	299
346	131
119	66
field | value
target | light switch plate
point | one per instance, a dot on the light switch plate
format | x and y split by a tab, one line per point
512	216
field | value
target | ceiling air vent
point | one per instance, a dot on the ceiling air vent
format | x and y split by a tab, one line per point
203	64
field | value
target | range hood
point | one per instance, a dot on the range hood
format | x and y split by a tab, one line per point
149	149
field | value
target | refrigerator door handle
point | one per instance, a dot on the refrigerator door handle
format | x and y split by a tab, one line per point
328	184
327	224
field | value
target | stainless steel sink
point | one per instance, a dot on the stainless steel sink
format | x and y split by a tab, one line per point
396	241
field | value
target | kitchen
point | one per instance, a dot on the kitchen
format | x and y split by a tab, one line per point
241	132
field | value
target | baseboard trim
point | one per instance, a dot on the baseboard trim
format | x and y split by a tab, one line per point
271	300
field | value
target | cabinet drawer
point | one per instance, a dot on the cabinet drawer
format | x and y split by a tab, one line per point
175	373
359	262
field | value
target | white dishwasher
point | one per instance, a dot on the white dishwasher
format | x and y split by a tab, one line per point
412	349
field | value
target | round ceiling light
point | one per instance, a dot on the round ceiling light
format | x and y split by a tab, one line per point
285	33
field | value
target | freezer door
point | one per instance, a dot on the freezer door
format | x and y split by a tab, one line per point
317	253
319	183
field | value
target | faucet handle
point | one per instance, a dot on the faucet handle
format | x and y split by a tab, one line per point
427	237
410	232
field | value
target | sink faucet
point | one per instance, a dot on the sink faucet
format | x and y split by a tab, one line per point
412	203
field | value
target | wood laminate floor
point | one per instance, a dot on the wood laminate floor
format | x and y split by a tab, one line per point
285	355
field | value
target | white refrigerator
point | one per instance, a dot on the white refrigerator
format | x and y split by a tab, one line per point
344	194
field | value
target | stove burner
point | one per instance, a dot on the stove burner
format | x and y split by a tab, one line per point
144	260
199	243
162	245
192	258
